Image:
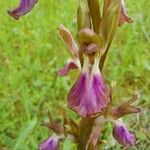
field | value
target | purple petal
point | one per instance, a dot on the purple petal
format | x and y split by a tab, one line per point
123	136
51	143
89	95
24	7
67	67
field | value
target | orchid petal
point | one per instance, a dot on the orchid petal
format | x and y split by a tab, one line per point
123	136
52	143
89	95
64	71
23	8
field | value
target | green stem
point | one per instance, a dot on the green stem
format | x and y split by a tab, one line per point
86	126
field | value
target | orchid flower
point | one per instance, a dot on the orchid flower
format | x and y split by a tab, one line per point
23	8
89	95
52	143
122	135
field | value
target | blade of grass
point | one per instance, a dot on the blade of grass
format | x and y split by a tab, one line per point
24	133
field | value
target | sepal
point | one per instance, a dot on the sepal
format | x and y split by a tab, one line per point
123	16
69	41
125	109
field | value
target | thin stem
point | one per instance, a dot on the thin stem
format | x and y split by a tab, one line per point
86	126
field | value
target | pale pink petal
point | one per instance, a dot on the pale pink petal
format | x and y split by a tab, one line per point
64	71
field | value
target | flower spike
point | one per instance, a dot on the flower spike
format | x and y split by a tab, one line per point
23	8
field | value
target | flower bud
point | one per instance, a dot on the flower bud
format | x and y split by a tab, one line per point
122	135
52	143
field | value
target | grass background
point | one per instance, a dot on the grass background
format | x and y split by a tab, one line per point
31	51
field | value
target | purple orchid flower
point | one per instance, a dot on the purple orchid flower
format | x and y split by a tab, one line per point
52	143
122	135
23	8
89	95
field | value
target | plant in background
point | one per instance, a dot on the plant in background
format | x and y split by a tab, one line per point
89	97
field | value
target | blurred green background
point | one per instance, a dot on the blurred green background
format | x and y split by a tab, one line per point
31	52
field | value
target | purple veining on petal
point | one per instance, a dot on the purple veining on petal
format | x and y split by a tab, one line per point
123	136
89	95
49	144
67	67
23	8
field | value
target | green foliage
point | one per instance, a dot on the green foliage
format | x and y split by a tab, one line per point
31	52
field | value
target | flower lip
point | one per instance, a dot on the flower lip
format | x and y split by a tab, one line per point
89	95
122	135
23	8
52	143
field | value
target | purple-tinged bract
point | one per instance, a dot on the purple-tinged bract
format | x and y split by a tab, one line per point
52	143
123	136
123	14
23	8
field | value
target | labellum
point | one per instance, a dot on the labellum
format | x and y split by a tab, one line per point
52	143
122	135
23	8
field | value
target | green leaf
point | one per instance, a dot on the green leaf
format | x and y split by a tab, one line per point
108	26
109	21
83	15
24	134
95	14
